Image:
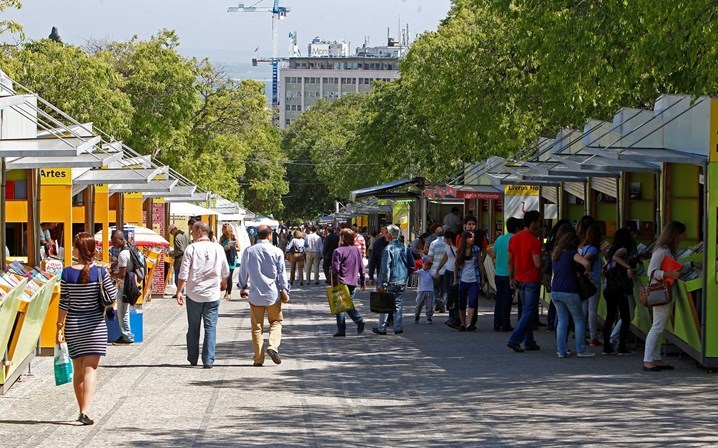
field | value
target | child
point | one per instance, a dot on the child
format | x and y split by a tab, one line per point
425	292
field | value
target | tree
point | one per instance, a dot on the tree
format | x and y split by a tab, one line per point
318	145
10	26
161	86
86	88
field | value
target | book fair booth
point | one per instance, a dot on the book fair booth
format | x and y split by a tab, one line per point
646	168
60	177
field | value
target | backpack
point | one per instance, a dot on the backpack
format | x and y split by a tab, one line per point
131	292
138	262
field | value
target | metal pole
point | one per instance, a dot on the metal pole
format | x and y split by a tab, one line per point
35	196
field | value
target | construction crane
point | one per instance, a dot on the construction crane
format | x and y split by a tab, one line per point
278	13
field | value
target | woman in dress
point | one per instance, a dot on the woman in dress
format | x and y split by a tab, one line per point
564	292
231	249
348	269
81	321
665	247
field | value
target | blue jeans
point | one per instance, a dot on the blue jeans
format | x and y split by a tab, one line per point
197	313
502	307
123	316
398	290
468	295
354	314
524	330
568	303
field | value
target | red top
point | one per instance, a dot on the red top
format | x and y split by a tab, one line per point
522	247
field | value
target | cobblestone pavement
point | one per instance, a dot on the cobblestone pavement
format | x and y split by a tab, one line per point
431	386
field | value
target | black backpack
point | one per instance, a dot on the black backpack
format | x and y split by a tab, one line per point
139	268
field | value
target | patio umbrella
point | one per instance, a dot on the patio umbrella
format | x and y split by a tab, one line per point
142	236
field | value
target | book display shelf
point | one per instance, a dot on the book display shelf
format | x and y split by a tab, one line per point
25	296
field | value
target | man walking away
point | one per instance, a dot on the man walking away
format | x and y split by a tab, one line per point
121	269
331	242
313	253
181	241
377	249
397	263
524	262
504	293
262	269
205	272
437	250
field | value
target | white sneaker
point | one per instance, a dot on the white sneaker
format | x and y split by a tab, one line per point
585	354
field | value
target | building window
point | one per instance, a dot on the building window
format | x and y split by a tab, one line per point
287	122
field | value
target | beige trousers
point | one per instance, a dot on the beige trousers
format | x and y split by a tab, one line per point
274	315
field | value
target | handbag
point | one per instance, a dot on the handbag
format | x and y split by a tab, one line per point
382	302
655	294
63	364
586	288
104	296
340	299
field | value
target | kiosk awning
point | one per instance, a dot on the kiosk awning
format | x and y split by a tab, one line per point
385	190
46	147
117	176
183	191
187	209
153	186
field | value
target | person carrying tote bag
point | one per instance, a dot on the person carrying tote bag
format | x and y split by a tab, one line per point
348	269
666	246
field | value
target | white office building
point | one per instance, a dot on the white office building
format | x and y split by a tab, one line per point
304	80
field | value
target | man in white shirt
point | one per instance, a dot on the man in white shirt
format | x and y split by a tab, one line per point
453	220
205	272
313	254
262	269
437	250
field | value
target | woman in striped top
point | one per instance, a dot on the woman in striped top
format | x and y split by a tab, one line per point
80	320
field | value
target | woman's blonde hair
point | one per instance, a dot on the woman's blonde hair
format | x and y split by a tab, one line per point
298	234
229	236
670	236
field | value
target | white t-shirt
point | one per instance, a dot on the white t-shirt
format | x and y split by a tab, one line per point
450	258
124	260
468	272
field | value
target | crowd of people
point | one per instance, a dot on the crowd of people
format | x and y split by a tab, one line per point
453	265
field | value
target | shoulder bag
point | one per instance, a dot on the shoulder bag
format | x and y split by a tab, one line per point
104	297
656	294
586	287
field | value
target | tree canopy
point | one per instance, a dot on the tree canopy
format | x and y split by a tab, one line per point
497	74
186	112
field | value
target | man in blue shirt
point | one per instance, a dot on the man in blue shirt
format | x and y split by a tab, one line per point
397	264
262	269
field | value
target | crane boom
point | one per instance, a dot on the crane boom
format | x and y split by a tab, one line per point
278	13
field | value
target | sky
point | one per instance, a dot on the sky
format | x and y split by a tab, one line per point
206	29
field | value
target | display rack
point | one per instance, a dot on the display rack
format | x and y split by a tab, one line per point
21	319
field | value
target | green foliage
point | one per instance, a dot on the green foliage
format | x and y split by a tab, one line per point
87	88
161	85
318	144
186	112
10	26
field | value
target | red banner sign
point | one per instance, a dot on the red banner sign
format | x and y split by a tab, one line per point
472	194
429	194
440	192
